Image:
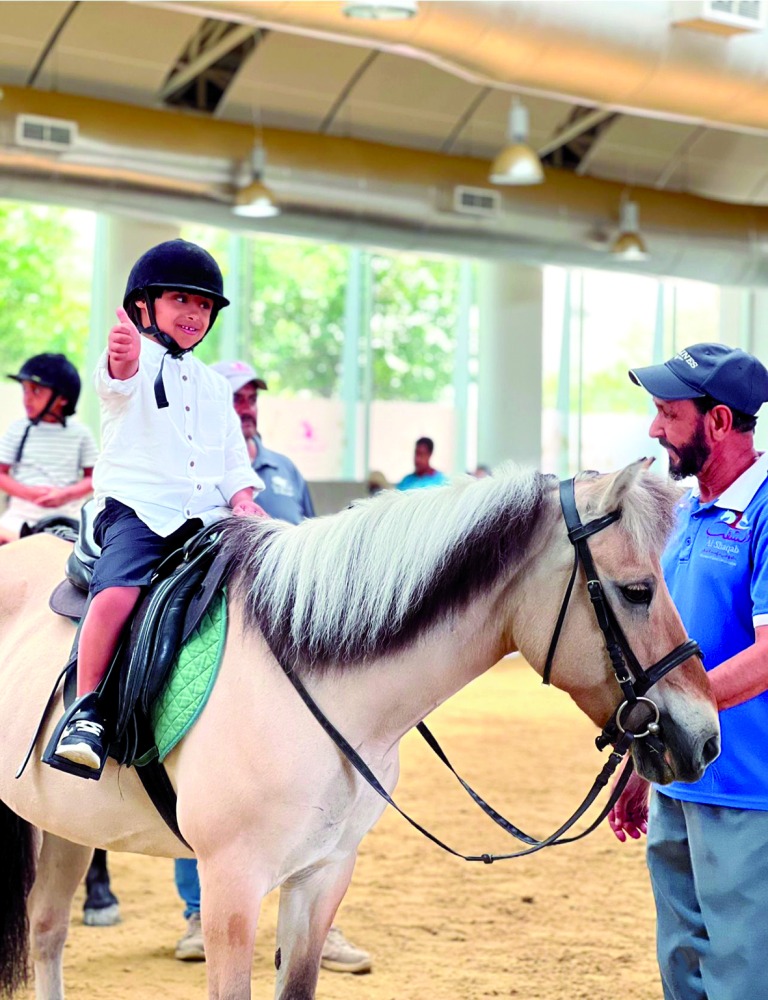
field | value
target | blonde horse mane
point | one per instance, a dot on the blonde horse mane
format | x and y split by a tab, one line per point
368	580
371	579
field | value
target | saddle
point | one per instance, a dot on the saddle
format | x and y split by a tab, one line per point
179	594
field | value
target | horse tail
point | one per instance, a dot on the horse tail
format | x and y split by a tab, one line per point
17	873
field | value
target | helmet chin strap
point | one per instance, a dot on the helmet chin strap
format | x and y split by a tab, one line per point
166	341
34	421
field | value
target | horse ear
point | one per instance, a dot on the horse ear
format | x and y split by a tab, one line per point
622	482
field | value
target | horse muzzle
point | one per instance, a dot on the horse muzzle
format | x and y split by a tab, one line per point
685	755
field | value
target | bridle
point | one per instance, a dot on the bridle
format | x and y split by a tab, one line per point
637	716
637	713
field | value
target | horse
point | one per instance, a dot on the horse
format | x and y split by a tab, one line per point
383	611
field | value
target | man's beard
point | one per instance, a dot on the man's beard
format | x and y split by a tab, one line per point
248	425
689	459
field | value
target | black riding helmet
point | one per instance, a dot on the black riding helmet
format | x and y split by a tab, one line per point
55	372
173	265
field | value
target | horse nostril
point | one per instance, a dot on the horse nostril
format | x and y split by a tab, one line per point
711	749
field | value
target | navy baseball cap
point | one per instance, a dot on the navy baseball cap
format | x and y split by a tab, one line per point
727	374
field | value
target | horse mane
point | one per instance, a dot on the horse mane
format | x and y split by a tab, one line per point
371	579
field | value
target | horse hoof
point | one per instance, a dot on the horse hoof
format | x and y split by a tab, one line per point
107	916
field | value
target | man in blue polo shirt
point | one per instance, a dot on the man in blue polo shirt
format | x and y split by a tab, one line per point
708	841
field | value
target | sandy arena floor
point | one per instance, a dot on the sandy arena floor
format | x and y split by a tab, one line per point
571	922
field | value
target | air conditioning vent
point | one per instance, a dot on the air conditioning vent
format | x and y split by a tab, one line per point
723	17
476	201
53	134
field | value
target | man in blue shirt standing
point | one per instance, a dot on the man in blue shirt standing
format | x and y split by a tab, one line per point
708	841
423	474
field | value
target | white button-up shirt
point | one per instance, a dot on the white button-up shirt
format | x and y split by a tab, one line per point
168	465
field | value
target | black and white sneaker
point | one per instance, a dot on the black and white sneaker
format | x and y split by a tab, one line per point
82	742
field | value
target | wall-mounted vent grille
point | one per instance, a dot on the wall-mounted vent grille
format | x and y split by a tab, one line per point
476	201
723	17
745	10
45	133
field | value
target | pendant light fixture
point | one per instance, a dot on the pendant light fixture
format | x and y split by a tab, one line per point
381	10
517	163
629	245
254	200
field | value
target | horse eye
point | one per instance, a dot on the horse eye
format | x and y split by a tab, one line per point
637	593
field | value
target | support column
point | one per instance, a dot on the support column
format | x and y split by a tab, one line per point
757	343
510	301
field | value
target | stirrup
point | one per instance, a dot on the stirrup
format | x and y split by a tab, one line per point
83	708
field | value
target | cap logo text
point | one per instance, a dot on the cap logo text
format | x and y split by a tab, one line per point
685	356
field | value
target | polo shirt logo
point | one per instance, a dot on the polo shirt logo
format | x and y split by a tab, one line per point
726	537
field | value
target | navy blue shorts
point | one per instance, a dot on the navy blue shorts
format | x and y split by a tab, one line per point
130	551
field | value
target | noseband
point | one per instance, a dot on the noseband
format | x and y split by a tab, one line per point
637	715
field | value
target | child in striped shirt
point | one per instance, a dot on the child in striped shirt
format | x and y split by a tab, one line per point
46	460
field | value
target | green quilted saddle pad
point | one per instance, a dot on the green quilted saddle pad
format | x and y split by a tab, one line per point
191	679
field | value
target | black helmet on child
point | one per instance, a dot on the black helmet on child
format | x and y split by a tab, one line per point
55	372
175	265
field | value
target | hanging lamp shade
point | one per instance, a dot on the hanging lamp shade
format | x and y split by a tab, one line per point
254	200
381	10
629	245
517	163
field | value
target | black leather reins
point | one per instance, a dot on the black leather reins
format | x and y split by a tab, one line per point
621	730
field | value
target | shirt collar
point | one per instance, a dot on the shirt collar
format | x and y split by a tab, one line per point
740	493
264	457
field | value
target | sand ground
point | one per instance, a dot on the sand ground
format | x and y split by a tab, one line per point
570	922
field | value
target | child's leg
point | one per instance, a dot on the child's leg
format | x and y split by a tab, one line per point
83	740
108	612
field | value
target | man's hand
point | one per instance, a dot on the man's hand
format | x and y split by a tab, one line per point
124	347
629	817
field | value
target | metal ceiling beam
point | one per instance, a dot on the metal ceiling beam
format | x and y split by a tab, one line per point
207	59
573	130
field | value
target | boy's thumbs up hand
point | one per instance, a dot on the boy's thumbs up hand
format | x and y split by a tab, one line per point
123	347
124	339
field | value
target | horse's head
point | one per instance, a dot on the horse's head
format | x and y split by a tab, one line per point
626	556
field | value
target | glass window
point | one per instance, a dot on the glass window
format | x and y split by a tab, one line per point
412	355
46	260
598	325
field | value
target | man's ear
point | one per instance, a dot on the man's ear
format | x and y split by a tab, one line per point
721	421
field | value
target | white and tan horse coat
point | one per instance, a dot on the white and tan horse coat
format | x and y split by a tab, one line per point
385	610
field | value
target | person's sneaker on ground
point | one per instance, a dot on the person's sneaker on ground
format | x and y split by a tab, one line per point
340	955
82	742
190	947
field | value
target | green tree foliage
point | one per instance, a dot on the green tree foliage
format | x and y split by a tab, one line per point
45	273
413	327
297	315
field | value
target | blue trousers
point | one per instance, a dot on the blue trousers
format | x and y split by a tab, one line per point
188	885
709	872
